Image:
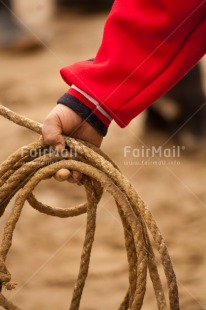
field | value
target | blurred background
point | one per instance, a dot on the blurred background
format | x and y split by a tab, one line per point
37	38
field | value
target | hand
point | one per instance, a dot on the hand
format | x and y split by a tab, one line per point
63	120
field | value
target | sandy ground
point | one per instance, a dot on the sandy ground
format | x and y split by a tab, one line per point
45	255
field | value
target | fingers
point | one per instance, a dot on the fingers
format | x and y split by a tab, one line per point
62	175
61	120
76	176
52	135
67	175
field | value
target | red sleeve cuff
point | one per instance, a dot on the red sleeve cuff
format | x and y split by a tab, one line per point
91	103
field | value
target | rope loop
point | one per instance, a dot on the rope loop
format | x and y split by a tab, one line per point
21	172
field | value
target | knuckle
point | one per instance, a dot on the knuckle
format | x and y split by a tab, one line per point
76	175
49	139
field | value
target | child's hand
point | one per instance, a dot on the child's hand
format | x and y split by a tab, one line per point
63	120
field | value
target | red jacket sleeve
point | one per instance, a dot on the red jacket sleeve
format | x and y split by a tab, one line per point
147	47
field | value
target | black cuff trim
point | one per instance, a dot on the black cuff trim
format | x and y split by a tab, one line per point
85	112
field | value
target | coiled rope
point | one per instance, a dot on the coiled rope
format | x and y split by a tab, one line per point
21	175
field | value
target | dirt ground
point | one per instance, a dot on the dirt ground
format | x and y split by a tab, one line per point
45	254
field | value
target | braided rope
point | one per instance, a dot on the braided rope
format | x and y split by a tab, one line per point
20	175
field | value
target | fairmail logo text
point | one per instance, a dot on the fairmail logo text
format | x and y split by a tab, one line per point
153	151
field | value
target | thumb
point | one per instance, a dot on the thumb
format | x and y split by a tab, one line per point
52	133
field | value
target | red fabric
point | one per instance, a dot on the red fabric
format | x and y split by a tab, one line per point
147	47
90	105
